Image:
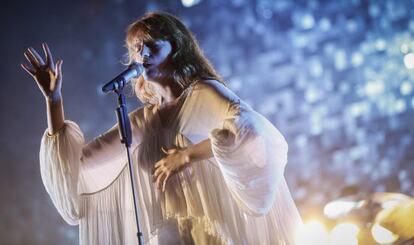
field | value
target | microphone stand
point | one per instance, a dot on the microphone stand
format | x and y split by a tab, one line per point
125	134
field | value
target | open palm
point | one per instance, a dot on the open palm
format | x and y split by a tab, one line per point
47	75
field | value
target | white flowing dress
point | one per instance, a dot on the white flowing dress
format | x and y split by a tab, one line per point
239	196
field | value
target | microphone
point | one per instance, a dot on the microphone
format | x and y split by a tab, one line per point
133	70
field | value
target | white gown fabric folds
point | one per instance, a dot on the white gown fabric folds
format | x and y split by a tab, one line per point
239	196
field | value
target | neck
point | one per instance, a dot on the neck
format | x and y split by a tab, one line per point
168	89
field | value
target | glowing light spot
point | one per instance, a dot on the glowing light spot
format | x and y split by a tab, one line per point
404	48
312	231
189	3
340	60
325	24
301	141
398	199
300	41
316	68
358	108
406	88
312	95
335	209
382	235
357	59
374	10
409	60
308	21
316	128
345	233
399	106
380	44
352	25
374	88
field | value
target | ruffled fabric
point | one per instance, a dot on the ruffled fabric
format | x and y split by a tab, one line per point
239	196
252	155
59	167
191	196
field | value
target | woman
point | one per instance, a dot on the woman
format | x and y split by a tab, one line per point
210	168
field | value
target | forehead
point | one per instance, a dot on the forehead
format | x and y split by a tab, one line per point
138	40
149	43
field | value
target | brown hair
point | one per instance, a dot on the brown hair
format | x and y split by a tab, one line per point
188	61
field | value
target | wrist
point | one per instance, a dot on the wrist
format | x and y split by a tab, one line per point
189	155
54	98
198	152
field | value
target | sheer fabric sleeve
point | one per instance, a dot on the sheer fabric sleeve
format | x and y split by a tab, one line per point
250	152
69	167
59	168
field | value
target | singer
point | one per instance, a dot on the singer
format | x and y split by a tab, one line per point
210	169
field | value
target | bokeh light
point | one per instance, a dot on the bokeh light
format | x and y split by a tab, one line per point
382	235
344	234
409	60
335	77
312	231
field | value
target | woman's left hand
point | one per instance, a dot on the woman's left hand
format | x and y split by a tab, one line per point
175	161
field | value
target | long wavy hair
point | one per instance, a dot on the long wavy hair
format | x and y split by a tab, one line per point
188	62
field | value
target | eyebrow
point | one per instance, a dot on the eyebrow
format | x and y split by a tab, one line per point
150	42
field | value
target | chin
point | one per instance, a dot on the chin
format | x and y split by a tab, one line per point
151	75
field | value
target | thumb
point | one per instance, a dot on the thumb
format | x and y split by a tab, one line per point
58	70
173	150
168	151
58	67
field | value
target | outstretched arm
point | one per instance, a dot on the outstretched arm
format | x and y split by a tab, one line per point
48	77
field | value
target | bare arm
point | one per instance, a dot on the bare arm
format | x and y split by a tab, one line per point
48	77
178	159
55	115
200	151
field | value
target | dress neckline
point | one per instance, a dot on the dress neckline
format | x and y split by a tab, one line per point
175	110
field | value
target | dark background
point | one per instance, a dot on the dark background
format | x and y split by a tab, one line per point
329	74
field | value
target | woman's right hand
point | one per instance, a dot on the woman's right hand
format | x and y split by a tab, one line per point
47	75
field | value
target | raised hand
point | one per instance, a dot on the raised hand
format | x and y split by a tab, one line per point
47	75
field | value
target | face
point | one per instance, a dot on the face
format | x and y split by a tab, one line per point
154	57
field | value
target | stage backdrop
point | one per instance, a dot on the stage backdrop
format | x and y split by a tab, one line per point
336	77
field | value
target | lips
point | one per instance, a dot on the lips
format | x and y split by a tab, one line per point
146	65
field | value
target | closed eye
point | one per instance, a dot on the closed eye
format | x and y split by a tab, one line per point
153	47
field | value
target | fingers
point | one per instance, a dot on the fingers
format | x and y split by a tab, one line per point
164	183
159	163
158	171
48	55
160	179
31	59
36	55
161	175
34	58
58	70
171	151
28	69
